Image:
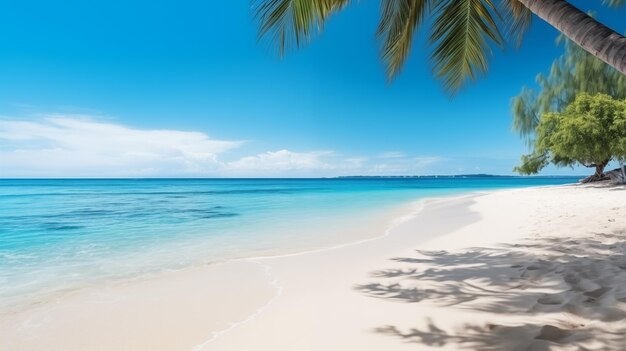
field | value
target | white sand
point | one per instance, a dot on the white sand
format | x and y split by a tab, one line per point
529	269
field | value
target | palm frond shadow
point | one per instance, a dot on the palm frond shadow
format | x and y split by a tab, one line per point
584	279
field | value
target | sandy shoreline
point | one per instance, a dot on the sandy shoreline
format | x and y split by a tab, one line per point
539	268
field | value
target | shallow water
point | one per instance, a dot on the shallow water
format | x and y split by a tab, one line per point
60	234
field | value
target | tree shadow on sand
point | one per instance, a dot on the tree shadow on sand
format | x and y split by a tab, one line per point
582	281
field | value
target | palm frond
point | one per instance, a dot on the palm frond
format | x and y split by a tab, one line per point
525	115
614	3
293	22
516	17
461	34
398	22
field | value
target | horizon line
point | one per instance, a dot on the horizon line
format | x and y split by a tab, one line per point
477	175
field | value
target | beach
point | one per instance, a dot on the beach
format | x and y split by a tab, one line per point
539	268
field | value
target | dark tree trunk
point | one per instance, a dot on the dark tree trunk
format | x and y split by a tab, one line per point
600	169
596	38
599	174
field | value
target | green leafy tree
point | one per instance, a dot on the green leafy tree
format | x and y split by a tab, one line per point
463	32
574	72
590	132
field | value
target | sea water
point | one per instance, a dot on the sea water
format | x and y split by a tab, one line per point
60	234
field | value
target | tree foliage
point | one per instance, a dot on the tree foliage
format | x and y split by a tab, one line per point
591	131
574	72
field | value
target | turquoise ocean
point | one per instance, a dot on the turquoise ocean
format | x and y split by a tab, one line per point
60	234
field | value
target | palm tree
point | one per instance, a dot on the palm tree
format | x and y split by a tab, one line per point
463	31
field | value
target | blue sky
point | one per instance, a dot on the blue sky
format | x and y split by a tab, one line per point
160	88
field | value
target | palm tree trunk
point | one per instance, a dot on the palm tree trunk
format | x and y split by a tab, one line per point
598	39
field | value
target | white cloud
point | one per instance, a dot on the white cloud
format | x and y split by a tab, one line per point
75	146
281	162
82	147
391	154
402	165
326	163
425	161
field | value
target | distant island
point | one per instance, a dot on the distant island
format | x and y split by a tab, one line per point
479	175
